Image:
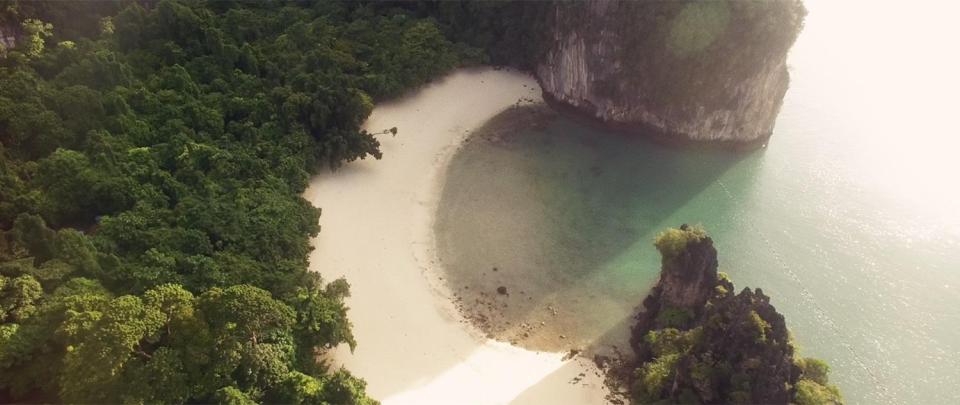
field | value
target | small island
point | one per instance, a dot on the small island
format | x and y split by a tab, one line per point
696	341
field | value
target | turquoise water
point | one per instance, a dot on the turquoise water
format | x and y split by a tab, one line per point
849	219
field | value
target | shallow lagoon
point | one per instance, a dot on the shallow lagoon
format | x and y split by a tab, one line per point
849	219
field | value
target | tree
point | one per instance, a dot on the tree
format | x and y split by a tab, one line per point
151	172
78	251
92	368
32	354
67	181
673	241
233	396
31	232
814	385
812	393
247	313
814	370
35	34
18	297
321	320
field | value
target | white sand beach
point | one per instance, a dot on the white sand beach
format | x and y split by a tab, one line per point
414	347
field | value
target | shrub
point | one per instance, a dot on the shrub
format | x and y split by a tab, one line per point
673	317
760	326
671	242
652	378
814	369
811	393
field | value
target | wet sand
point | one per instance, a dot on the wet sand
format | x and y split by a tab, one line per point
523	244
414	345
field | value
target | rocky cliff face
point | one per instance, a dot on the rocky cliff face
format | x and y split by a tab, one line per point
705	71
688	280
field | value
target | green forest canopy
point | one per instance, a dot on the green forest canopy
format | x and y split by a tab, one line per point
154	241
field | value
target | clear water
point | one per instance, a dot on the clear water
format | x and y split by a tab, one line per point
849	219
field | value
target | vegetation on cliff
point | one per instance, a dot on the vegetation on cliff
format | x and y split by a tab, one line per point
153	241
507	32
699	342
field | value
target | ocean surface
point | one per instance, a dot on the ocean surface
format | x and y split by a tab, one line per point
849	219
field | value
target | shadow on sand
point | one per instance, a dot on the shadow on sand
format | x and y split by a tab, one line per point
563	215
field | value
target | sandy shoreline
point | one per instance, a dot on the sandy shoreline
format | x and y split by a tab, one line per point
413	344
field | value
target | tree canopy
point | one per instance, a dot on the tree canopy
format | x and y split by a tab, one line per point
153	237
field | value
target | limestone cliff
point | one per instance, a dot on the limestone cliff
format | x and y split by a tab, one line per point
706	71
688	280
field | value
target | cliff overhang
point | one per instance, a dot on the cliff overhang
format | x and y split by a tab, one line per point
706	72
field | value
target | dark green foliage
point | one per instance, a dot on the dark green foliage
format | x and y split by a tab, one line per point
70	19
814	385
508	32
31	233
18	297
814	370
673	318
811	393
153	241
